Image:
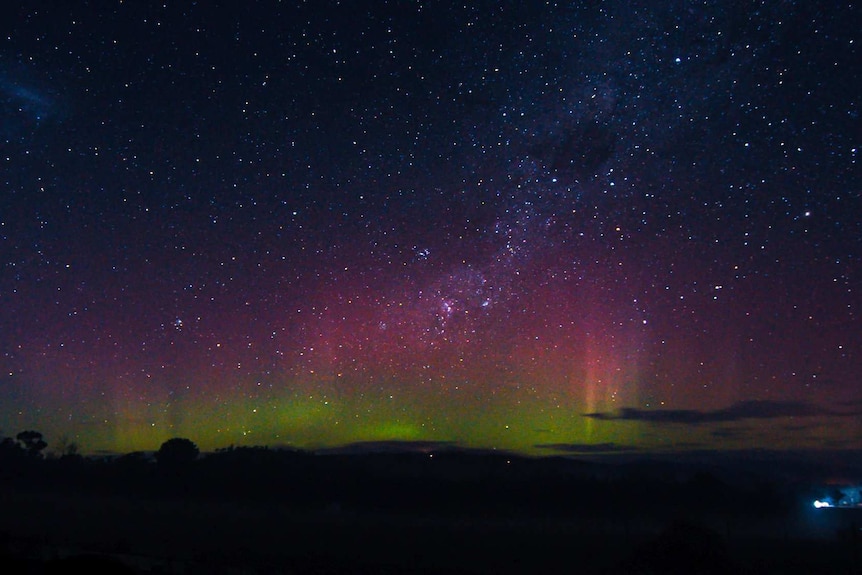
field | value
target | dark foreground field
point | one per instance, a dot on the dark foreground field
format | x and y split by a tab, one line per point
259	512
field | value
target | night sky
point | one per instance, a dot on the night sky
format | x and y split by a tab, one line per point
544	227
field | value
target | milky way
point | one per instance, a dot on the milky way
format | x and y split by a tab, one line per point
603	227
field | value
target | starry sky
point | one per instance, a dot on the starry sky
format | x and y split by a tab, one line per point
545	227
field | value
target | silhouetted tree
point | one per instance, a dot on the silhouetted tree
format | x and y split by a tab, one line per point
65	448
177	452
9	445
10	450
32	441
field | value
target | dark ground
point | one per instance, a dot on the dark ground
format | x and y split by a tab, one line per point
259	511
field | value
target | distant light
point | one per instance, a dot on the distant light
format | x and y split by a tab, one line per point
820	504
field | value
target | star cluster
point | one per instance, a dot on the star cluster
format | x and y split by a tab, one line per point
530	226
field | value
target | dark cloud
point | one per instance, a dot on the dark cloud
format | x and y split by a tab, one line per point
728	433
587	447
798	427
392	446
840	444
737	412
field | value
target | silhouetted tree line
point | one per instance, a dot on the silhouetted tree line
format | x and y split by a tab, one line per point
25	444
448	483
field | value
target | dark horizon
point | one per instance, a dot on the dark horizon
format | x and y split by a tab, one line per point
390	507
788	467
